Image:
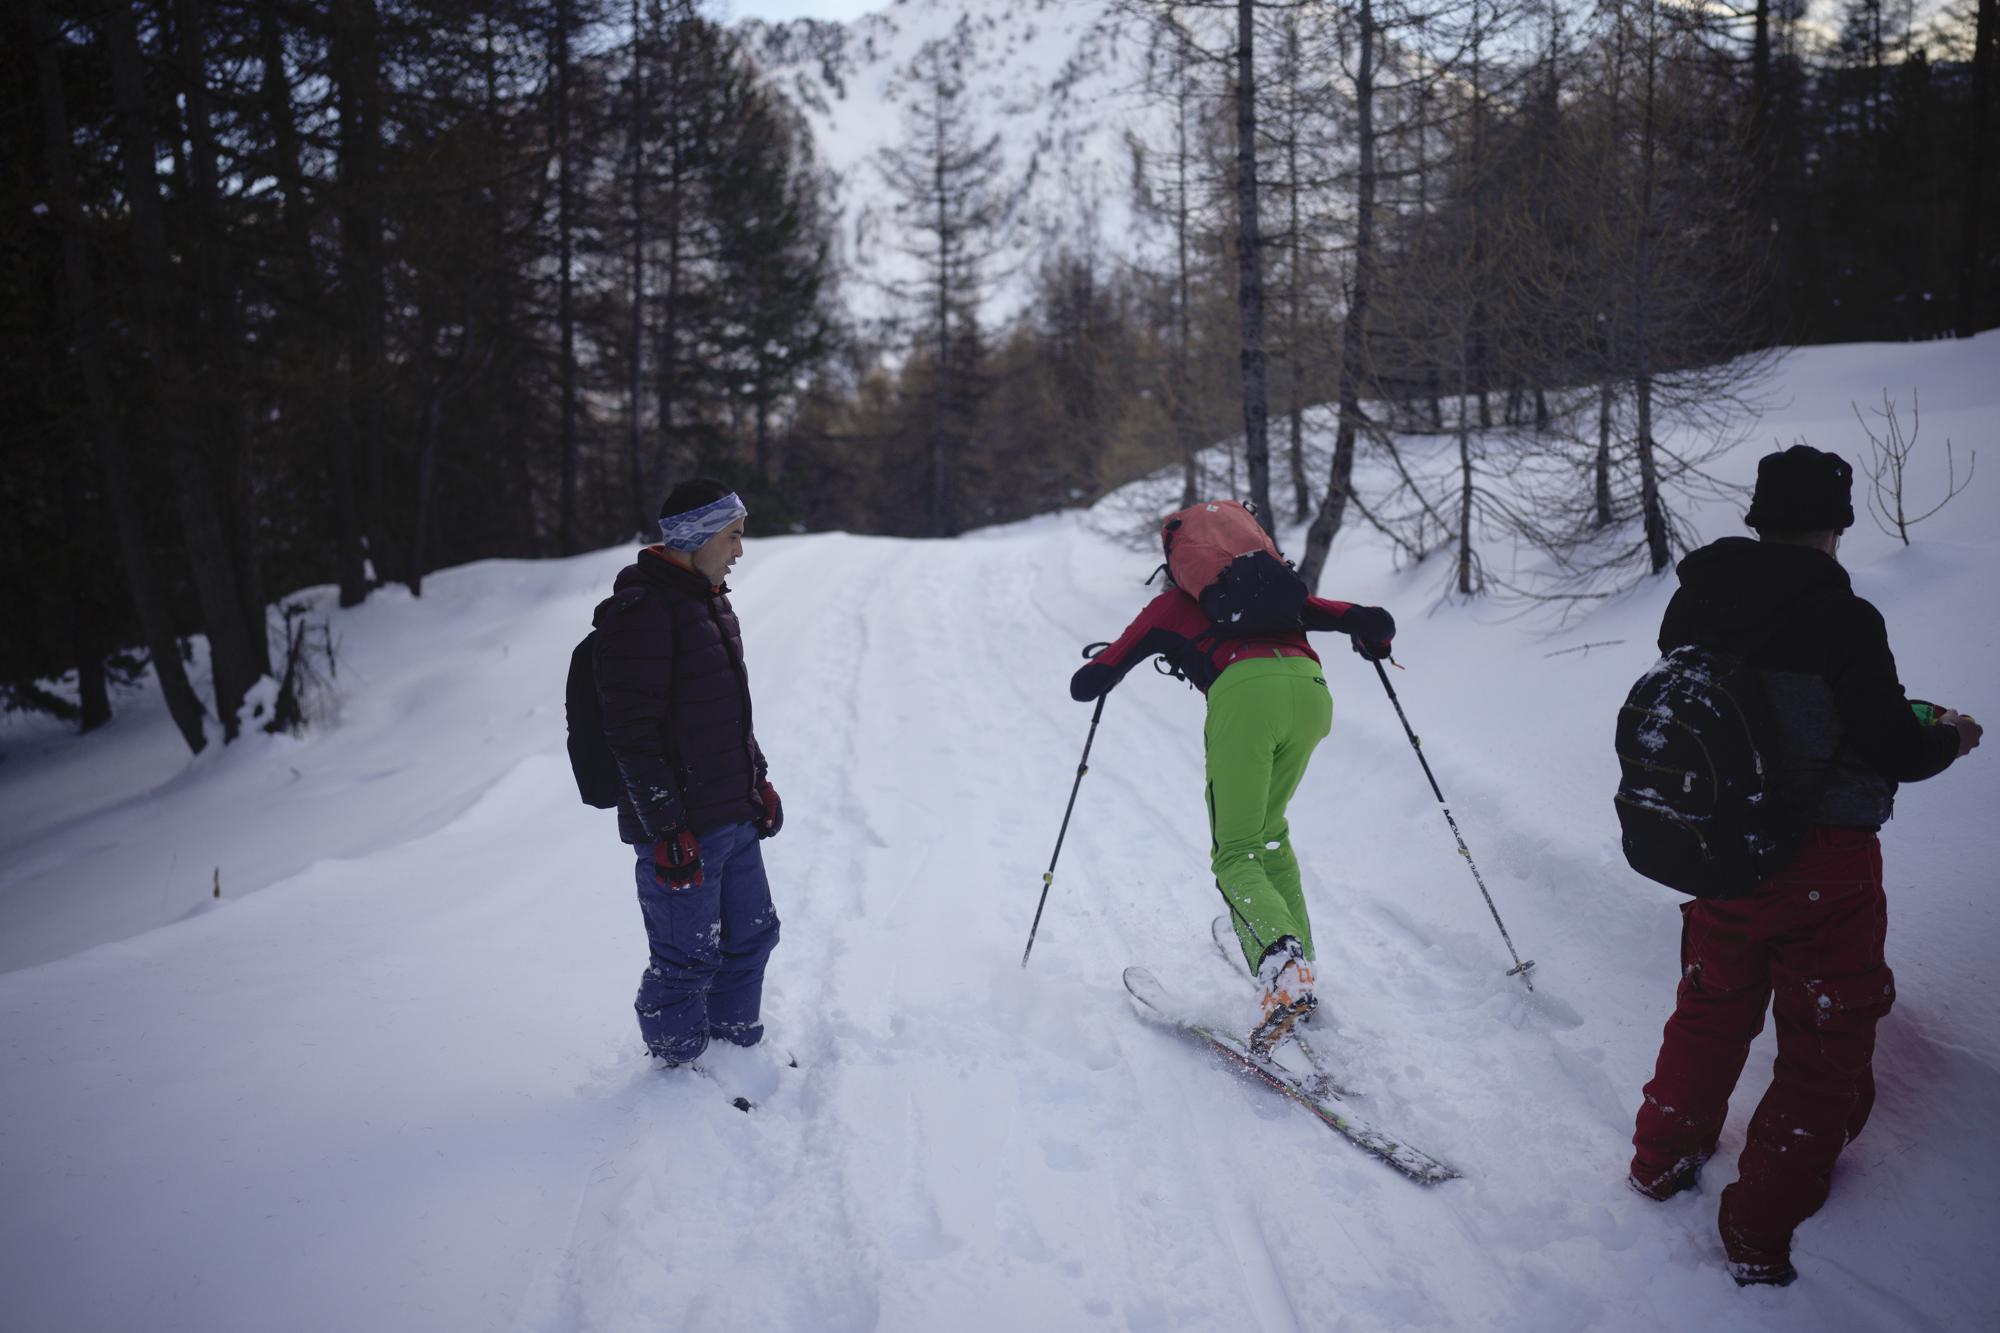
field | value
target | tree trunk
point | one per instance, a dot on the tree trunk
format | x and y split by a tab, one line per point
761	409
88	642
357	62
222	408
635	429
1658	553
1652	507
1250	268
943	518
334	444
1481	360
1465	583
89	634
1333	507
1972	264
345	449
1602	468
1184	432
1764	163
427	444
230	658
566	542
676	147
79	288
1295	401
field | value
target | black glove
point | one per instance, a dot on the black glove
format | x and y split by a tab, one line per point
1091	680
1371	629
677	859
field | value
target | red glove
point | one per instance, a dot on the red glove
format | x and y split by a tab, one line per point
774	811
677	859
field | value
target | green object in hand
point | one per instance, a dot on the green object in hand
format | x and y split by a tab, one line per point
1927	713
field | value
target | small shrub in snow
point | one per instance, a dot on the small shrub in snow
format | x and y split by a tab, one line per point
1888	459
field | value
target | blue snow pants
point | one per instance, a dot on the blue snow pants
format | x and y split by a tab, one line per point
709	943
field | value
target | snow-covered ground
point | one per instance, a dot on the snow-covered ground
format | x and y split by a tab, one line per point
391	1080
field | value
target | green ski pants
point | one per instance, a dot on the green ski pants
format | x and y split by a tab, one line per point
1265	717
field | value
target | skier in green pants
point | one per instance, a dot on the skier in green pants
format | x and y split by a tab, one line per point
1233	621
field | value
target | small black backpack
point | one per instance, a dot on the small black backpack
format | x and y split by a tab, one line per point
598	781
1255	594
1695	755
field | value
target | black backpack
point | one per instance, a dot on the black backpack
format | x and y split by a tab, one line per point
598	781
1255	594
1695	751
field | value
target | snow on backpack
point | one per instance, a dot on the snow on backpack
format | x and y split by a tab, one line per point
1220	555
1695	755
598	781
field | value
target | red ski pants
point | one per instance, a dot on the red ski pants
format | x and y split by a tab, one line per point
1808	944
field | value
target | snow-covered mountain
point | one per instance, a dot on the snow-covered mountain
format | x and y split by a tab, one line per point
390	1079
1057	80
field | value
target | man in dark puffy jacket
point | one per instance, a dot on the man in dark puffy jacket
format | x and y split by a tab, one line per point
696	799
1812	935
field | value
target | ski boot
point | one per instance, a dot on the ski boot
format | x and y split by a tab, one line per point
1286	978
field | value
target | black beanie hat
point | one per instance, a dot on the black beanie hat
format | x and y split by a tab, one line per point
692	494
1802	490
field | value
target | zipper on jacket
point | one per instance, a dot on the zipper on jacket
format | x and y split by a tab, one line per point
742	683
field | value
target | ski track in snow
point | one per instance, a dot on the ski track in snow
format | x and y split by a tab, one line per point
400	1088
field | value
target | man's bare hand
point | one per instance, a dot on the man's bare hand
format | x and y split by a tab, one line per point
1969	731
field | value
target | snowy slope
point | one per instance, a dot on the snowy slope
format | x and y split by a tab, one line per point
399	1088
1056	80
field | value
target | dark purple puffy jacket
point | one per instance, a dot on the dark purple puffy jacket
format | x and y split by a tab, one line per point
676	702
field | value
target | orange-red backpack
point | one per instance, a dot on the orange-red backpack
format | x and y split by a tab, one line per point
1219	554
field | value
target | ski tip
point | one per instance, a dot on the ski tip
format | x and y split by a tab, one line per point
1146	989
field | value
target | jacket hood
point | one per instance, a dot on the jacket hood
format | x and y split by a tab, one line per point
1737	583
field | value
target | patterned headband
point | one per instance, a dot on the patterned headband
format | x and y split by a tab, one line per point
697	527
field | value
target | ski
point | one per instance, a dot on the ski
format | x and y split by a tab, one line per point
1321	1082
1418	1166
741	1103
737	1099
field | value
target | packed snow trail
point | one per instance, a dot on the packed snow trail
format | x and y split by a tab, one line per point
401	1087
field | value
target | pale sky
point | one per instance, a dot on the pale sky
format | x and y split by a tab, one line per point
776	10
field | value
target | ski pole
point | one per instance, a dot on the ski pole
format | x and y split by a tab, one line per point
1082	767
1520	968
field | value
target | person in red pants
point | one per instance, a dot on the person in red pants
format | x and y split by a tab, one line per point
1808	943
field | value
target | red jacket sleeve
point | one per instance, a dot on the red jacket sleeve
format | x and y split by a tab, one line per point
1370	624
1164	626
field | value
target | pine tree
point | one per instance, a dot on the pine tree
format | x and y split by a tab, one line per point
954	211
